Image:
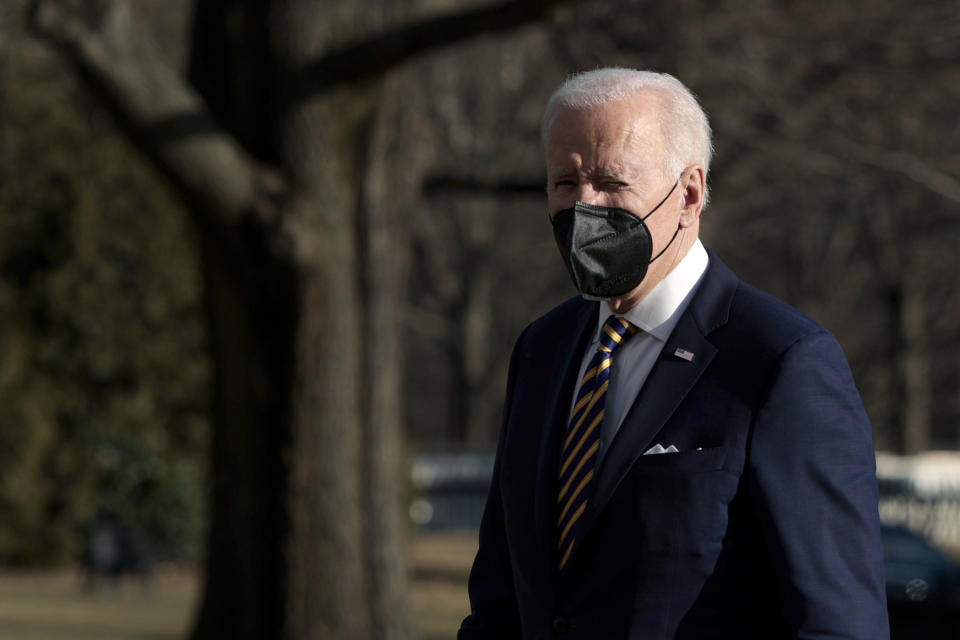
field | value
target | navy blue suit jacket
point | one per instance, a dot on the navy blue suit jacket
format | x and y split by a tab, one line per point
764	525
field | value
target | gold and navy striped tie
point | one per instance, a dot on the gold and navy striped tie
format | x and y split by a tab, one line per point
579	457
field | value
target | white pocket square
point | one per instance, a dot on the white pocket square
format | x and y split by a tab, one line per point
658	448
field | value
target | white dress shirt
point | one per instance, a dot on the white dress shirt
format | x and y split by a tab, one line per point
655	316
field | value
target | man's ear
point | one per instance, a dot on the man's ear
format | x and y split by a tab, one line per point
693	188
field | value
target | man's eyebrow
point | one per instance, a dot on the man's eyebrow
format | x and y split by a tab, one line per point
607	172
601	172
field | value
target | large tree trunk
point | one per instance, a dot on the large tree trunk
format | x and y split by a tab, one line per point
303	269
393	171
307	538
343	550
253	307
339	534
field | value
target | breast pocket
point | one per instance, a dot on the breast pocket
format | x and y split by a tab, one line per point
709	459
681	500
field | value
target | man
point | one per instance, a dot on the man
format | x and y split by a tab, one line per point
682	456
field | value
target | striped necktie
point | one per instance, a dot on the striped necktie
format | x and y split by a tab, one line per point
579	457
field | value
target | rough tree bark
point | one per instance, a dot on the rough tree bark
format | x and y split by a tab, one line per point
302	285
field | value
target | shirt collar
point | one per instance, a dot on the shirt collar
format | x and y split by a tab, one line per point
660	310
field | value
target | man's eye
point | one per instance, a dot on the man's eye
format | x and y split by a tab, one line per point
613	186
563	184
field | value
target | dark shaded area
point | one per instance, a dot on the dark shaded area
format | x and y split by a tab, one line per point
466	187
247	484
181	127
908	623
232	66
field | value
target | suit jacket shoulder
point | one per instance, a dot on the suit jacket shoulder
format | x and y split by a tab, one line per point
746	314
765	322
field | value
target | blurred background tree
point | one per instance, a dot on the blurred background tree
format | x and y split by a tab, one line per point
102	377
285	149
343	239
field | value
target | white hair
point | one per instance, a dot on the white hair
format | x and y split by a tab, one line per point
683	123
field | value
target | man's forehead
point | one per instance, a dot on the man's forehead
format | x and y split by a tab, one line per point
568	167
616	155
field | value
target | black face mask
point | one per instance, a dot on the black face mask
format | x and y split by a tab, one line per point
606	250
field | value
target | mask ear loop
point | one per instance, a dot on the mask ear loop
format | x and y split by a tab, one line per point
674	237
666	247
660	204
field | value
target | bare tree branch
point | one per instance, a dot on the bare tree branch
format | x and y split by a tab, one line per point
470	186
906	164
164	116
842	153
380	53
171	123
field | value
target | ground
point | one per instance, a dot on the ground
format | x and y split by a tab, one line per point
54	605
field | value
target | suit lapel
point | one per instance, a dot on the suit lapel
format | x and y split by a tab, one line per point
669	382
567	356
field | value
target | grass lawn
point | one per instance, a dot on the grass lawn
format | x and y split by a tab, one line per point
441	563
54	606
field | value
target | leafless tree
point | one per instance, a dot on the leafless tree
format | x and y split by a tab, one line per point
284	148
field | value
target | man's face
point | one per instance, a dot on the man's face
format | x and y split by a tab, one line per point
613	155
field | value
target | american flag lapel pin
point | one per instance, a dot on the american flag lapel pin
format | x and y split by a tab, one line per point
684	354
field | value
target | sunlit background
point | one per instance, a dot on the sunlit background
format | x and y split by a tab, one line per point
835	186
